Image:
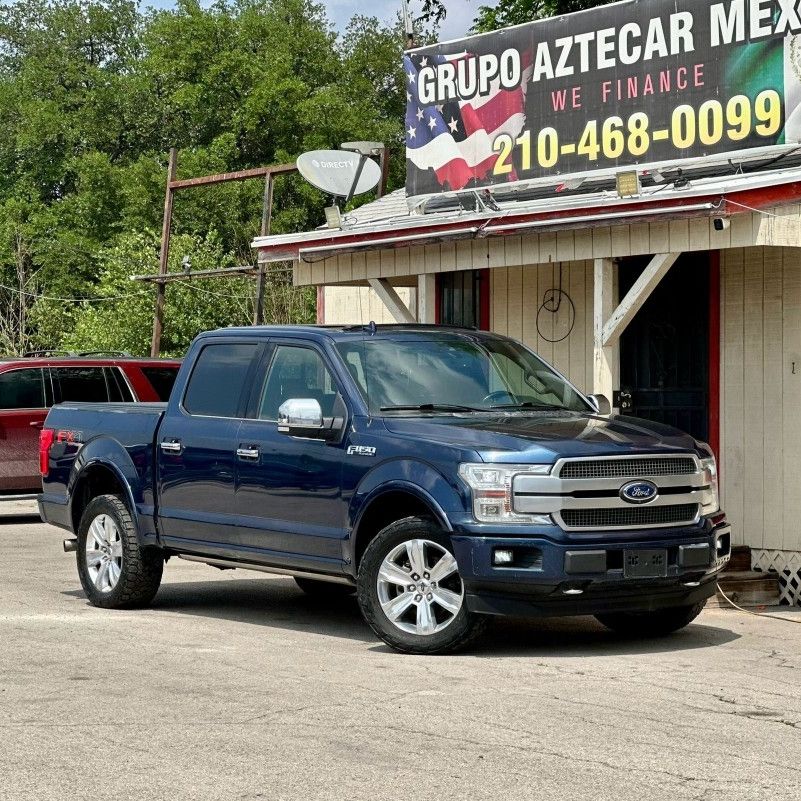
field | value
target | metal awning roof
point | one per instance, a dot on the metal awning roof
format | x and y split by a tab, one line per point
389	223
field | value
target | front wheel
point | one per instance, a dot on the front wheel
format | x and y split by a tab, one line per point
652	624
410	591
115	571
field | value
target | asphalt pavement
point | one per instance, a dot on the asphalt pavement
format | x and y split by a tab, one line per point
236	686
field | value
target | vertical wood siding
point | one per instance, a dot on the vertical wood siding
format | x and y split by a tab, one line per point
761	414
517	296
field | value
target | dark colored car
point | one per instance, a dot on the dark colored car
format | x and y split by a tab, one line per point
445	475
30	385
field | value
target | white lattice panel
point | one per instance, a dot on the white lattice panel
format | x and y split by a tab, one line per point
788	565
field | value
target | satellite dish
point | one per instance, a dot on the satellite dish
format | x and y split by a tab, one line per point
334	171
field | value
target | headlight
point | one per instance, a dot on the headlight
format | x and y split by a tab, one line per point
710	469
491	487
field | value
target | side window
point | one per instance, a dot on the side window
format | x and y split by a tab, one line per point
218	379
161	379
22	389
296	372
84	384
118	389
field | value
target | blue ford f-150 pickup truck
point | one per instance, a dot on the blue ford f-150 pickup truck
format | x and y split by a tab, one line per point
445	475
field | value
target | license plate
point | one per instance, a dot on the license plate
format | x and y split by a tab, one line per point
645	563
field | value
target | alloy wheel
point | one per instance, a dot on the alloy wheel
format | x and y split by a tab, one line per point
419	587
104	553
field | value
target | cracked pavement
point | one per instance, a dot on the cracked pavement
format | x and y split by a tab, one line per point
236	686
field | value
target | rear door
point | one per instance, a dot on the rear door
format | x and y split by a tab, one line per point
197	445
23	408
288	493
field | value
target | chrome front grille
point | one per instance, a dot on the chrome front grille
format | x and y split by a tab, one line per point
630	516
584	494
628	468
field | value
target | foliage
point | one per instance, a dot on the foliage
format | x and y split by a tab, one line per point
515	12
123	320
93	93
509	12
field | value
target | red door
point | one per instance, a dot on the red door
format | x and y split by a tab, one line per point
22	414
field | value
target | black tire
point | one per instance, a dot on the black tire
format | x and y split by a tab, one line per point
652	624
463	628
324	590
141	568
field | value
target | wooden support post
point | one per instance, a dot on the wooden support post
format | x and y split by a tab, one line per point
427	298
158	320
266	222
603	305
390	298
656	270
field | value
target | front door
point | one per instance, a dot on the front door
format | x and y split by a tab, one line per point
196	450
664	352
288	495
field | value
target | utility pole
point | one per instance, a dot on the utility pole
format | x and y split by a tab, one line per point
408	25
266	222
161	286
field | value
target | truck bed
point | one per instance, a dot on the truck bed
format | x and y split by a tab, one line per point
120	435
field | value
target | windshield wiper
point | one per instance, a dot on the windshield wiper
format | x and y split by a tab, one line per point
432	407
530	405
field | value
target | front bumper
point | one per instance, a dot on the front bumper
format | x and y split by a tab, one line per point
586	578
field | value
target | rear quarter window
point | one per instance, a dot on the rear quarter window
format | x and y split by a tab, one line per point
161	379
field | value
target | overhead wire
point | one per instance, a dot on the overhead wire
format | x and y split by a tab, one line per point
40	296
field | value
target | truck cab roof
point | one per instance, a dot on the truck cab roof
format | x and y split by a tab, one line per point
346	332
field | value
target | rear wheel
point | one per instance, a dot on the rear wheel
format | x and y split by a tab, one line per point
410	591
652	624
115	571
315	588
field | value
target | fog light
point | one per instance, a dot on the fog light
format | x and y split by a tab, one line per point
503	556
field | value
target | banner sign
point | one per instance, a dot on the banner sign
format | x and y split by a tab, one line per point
635	83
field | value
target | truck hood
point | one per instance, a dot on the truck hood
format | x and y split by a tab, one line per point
543	437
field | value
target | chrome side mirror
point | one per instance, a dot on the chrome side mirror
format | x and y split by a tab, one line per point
600	403
300	417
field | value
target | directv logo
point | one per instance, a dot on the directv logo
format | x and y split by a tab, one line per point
334	165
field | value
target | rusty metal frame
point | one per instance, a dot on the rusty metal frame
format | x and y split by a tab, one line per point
174	185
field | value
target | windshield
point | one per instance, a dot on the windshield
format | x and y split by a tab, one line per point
454	374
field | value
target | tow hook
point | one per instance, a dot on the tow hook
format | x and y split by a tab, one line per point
70	546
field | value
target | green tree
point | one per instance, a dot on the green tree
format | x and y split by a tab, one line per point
515	12
93	93
509	12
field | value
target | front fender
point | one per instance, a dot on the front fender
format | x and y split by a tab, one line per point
418	478
107	453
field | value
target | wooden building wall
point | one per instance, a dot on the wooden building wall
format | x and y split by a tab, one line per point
761	395
518	293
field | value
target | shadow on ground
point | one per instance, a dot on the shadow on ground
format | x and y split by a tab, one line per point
278	603
19	519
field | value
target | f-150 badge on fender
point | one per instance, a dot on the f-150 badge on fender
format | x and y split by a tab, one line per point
360	450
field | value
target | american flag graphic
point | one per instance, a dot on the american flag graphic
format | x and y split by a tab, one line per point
450	145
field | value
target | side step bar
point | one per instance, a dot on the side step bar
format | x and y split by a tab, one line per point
231	564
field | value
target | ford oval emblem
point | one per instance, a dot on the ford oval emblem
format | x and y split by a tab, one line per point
639	492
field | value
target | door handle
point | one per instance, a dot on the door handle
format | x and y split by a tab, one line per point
248	453
36	424
172	446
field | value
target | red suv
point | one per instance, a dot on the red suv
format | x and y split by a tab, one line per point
29	386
